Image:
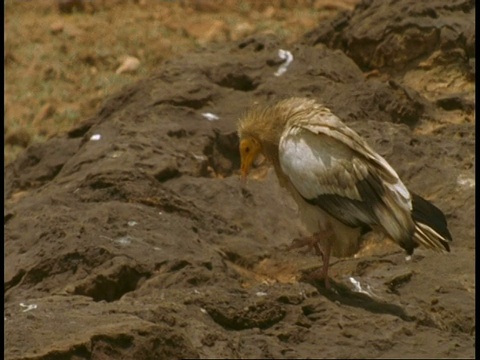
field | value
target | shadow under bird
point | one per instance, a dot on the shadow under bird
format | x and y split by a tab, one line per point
342	187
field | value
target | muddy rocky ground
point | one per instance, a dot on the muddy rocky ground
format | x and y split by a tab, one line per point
140	244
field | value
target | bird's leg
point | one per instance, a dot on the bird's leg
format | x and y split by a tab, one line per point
312	242
309	241
324	245
321	243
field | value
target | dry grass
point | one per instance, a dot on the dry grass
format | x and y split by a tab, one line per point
60	66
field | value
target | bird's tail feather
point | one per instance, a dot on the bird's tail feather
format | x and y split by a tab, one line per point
431	228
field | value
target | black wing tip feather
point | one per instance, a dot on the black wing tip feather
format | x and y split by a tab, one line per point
431	224
428	214
424	212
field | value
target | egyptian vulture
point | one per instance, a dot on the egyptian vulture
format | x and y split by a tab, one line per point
343	188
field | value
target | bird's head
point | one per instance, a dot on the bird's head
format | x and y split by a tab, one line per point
250	148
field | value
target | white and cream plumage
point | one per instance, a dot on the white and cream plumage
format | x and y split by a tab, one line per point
341	185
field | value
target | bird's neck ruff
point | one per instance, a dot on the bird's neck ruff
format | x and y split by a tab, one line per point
266	125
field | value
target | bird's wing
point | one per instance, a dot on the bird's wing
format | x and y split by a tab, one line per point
332	167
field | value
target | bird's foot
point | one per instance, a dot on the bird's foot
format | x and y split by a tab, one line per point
319	275
318	241
321	243
310	241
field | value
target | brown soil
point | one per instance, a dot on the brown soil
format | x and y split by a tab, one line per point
63	57
128	237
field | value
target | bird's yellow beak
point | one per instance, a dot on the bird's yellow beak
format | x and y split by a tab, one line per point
249	150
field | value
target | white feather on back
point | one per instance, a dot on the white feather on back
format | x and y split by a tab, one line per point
332	159
323	122
315	164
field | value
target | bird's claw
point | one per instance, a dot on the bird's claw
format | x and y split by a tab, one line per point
319	275
310	242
